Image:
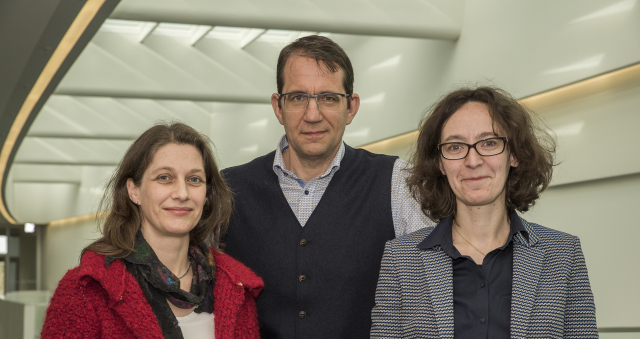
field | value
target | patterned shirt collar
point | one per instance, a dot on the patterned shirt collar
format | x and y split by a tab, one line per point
283	145
441	235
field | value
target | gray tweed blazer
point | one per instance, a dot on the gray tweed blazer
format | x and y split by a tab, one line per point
551	295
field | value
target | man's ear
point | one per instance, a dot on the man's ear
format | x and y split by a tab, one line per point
354	105
275	103
132	189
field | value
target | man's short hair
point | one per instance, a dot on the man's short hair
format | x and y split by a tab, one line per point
528	141
322	49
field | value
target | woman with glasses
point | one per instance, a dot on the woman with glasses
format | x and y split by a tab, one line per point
152	274
483	271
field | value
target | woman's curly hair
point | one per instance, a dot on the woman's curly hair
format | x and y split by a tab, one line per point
528	141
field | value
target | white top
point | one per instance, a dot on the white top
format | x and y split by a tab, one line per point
197	326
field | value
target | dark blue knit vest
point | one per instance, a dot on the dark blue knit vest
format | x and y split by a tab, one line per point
320	279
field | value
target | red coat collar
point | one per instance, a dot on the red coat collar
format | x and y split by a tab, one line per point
237	272
112	278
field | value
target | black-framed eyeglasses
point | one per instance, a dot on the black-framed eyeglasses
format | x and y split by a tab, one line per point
485	147
326	102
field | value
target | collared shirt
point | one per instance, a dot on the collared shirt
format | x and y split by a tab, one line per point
481	293
303	197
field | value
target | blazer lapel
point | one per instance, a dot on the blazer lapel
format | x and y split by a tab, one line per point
439	273
527	263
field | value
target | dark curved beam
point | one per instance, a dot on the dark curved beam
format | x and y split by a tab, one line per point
45	37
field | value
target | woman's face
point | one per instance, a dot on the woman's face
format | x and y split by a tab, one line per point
172	192
475	180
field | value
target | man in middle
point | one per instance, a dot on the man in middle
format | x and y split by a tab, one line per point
312	217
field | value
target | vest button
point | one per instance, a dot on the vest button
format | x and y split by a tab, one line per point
302	278
302	314
303	242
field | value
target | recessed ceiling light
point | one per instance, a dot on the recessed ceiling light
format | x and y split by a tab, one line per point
29	227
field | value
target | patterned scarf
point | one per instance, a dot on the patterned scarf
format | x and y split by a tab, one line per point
158	283
162	279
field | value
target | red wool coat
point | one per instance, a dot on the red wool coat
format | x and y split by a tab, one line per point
93	301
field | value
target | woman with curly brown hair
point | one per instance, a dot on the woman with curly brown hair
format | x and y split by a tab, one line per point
483	271
152	274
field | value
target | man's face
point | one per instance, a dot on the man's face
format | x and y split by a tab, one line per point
313	134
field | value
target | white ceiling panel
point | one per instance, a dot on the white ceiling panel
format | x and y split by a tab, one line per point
86	117
399	18
53	201
160	68
243	132
46	173
258	70
36	150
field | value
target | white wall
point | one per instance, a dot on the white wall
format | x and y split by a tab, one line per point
526	47
595	191
529	47
600	213
62	246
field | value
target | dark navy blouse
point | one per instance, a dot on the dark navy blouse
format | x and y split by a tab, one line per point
481	293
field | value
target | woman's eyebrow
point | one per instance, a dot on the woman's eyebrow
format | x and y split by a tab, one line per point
454	137
479	136
166	168
171	169
487	134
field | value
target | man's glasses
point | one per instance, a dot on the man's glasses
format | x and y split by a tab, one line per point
485	147
327	102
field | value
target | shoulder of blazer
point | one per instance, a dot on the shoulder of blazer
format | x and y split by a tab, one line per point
545	237
409	242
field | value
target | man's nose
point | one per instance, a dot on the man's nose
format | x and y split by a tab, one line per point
313	114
